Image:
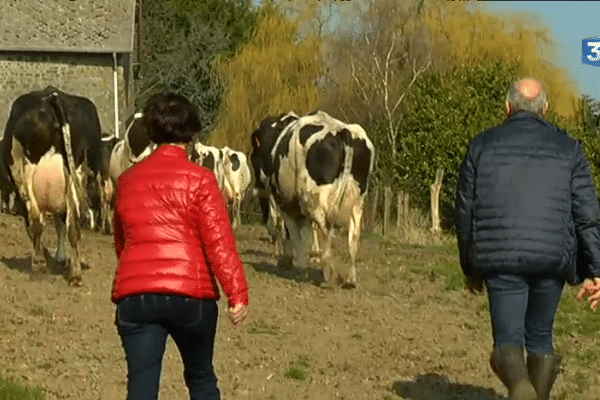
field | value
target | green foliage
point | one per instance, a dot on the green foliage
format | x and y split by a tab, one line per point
446	110
584	128
12	390
181	39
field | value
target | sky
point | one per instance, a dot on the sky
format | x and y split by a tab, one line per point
570	22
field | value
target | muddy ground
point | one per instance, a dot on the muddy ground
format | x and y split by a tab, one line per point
399	335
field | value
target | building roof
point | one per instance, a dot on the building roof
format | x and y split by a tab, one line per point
98	26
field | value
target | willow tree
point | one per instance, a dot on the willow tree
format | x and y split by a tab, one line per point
472	37
275	72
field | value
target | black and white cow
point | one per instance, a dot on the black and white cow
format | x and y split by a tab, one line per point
317	170
209	157
134	147
100	212
237	179
263	141
232	172
49	140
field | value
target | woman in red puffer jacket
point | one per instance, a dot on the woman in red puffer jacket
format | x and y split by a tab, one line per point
174	241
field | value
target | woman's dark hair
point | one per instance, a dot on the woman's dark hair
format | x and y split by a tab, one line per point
171	118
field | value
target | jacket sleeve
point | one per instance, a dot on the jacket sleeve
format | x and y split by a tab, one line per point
586	213
218	241
463	211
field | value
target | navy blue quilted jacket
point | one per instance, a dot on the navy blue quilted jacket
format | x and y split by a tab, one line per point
526	203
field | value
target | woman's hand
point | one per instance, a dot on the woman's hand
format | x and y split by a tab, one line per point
238	313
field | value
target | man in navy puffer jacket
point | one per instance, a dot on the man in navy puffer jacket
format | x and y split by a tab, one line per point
526	214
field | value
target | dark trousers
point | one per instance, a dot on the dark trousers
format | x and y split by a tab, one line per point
522	309
145	321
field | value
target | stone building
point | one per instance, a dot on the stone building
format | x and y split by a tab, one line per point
82	47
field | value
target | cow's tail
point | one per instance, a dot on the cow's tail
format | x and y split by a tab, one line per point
345	178
77	188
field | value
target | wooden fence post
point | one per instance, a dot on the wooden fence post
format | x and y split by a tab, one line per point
373	210
406	210
399	196
387	199
436	189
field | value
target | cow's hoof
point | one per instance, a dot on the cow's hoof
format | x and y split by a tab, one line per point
349	285
75	281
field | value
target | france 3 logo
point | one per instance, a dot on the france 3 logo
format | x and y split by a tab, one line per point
590	51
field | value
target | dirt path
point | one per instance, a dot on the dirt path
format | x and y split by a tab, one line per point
398	335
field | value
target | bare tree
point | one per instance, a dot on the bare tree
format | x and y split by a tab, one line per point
374	69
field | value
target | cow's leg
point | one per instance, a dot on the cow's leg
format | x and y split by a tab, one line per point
294	245
61	234
297	228
322	233
281	233
233	213
91	219
286	259
23	172
106	198
38	262
105	222
315	250
354	235
237	208
109	222
5	195
272	224
74	233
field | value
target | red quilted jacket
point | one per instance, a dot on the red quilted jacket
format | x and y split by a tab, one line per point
172	232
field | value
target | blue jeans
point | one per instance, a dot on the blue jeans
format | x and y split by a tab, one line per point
145	321
522	309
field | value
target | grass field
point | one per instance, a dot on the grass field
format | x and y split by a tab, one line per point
10	389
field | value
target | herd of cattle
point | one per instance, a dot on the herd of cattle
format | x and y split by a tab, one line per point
310	174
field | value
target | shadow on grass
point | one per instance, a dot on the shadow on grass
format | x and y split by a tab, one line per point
438	387
311	275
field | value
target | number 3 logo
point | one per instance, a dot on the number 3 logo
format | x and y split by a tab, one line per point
595	48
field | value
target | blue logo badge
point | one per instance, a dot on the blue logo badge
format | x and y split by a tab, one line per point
590	51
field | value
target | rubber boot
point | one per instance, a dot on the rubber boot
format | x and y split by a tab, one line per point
543	369
508	363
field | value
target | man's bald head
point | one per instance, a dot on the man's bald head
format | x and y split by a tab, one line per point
527	94
529	88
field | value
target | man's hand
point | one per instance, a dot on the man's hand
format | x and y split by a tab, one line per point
474	285
238	313
590	289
